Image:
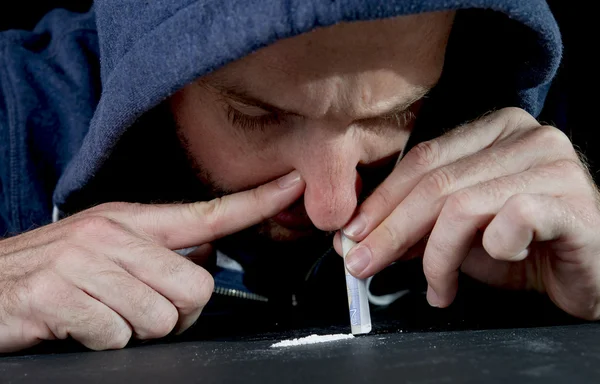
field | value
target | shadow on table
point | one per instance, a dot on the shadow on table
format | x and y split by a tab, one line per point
477	307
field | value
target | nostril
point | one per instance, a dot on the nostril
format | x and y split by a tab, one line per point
329	214
358	184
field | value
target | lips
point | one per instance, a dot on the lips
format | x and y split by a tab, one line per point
294	217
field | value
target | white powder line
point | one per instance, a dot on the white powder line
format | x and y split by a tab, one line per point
312	339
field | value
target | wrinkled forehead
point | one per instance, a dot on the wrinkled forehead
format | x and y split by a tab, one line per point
411	45
349	69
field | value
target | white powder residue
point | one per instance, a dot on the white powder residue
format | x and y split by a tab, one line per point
312	339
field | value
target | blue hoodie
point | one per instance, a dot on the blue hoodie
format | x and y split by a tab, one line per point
82	119
74	88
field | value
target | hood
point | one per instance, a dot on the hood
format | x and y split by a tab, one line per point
501	52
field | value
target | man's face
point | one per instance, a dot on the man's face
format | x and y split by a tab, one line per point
335	104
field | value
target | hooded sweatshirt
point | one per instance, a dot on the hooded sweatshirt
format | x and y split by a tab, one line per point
81	95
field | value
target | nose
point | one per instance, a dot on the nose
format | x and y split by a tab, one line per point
328	166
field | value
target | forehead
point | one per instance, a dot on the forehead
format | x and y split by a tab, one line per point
402	43
361	58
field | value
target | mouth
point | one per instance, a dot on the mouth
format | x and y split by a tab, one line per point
295	217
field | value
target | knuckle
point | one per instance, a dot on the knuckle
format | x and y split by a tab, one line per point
115	206
257	197
435	247
569	167
43	288
460	204
120	341
172	267
385	198
576	174
210	212
163	322
391	235
112	335
554	138
438	183
201	285
93	226
67	255
518	116
96	327
425	155
520	208
205	209
207	285
72	258
158	315
512	111
17	294
432	270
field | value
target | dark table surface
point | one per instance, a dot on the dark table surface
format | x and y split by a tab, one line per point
557	354
486	336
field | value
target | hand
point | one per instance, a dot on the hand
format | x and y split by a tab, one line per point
108	273
503	199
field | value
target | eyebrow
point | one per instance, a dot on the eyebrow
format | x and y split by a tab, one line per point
241	95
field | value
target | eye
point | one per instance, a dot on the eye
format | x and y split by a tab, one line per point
251	123
400	119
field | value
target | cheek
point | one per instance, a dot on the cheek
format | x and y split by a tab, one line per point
233	160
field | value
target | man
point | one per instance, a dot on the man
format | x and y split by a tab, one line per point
269	120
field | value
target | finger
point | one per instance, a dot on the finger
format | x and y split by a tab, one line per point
68	311
528	218
18	333
337	243
470	210
551	227
178	226
150	314
417	213
518	275
200	256
416	250
427	156
184	284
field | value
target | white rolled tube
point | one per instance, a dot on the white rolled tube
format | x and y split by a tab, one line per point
358	301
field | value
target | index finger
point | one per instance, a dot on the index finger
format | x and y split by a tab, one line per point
176	226
428	156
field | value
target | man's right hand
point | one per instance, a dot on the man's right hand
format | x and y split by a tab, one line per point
109	273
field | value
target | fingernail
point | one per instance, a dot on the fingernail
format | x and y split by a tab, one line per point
358	259
432	298
521	255
356	226
289	180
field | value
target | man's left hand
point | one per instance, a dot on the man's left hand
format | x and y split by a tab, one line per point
503	199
